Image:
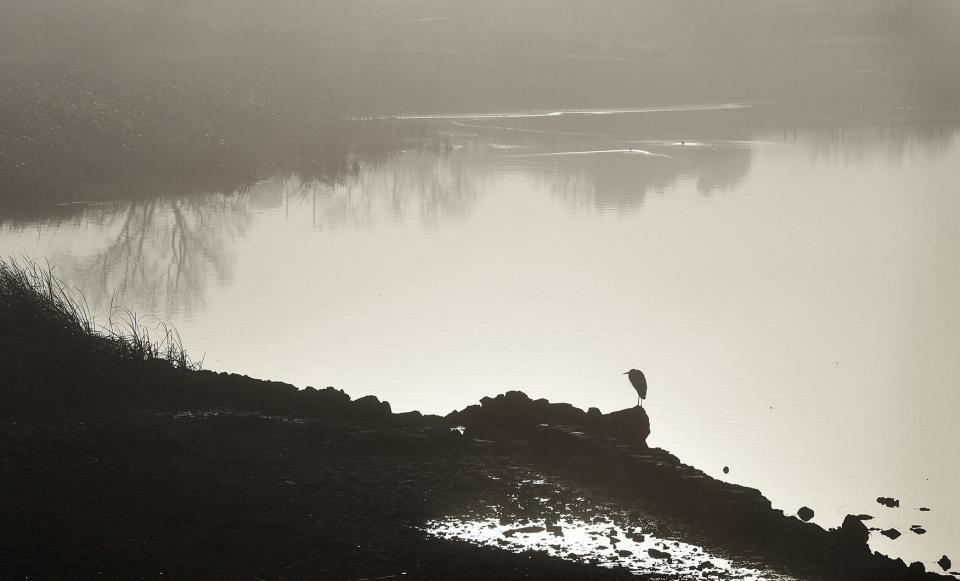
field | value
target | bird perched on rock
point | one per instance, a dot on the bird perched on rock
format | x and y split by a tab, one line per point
639	383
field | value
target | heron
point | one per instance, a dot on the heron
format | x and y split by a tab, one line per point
639	383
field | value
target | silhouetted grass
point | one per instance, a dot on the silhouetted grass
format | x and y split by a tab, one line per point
38	306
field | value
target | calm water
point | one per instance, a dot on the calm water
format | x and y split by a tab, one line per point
790	294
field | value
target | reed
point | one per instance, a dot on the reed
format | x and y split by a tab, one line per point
37	305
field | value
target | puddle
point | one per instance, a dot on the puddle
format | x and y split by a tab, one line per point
600	541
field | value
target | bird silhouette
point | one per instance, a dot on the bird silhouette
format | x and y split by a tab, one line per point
639	383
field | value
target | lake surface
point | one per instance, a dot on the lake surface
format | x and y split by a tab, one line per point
791	294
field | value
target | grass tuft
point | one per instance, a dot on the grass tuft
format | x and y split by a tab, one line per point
36	304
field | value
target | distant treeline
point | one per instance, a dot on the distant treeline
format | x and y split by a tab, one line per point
427	54
95	89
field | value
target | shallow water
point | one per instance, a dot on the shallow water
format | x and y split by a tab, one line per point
790	294
600	541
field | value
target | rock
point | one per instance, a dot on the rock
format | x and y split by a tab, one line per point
944	563
514	409
888	502
891	534
854	531
918	530
923	509
805	513
864	516
523	530
659	554
705	565
631	425
624	553
369	407
726	470
917	568
413	418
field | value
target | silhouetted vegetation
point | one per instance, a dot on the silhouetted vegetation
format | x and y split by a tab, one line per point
38	307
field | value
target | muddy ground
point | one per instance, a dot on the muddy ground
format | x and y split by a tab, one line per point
148	495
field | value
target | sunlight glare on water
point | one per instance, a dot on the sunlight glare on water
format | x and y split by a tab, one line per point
600	541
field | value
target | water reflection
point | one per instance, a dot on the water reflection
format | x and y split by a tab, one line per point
161	254
416	187
600	541
621	180
887	143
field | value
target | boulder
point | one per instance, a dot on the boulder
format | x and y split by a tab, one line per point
805	513
853	530
413	418
371	408
515	410
631	425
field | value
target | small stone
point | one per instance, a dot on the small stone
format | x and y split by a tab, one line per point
805	513
523	531
659	554
918	530
891	534
705	565
923	509
944	562
888	502
726	470
624	553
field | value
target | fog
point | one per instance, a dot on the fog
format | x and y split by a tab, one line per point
434	201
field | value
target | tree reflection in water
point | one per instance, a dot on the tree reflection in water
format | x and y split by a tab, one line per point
164	253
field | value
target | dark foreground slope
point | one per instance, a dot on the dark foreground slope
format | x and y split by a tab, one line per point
119	460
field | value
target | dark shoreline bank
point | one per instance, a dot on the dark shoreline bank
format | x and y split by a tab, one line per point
607	450
121	463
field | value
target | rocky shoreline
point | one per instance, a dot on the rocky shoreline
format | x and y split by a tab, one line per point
608	450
